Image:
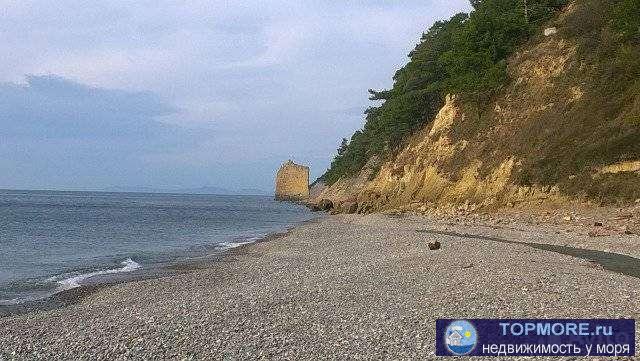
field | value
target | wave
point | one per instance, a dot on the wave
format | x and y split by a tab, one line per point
64	284
128	265
224	246
67	281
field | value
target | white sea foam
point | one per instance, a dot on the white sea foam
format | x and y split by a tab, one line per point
68	283
235	244
128	265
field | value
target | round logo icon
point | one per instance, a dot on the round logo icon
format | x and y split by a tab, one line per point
460	337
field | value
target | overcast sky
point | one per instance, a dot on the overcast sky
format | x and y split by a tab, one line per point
191	93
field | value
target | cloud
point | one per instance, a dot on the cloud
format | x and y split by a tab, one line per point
52	106
58	133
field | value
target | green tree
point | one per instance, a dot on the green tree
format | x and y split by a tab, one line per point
343	146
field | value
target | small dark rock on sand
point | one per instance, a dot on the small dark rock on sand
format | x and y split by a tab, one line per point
434	245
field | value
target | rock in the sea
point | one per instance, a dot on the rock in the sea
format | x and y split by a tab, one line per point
325	205
292	182
434	245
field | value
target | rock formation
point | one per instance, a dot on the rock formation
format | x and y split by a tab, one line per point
292	182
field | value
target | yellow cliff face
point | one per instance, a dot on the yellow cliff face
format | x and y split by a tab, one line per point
552	136
418	179
415	180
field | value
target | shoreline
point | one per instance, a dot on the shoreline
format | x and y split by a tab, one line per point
345	285
68	297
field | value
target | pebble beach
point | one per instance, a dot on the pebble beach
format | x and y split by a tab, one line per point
340	287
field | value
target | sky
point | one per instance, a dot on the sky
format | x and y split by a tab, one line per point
187	94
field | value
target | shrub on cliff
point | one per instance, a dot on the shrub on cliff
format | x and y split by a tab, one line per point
626	19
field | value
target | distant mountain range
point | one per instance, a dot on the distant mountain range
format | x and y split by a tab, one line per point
200	190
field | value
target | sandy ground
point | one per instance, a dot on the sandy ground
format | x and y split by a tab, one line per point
356	287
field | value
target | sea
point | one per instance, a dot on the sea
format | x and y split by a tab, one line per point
52	241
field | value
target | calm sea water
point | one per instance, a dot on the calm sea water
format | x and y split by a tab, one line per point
52	241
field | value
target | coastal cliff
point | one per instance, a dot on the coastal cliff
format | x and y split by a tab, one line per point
565	128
